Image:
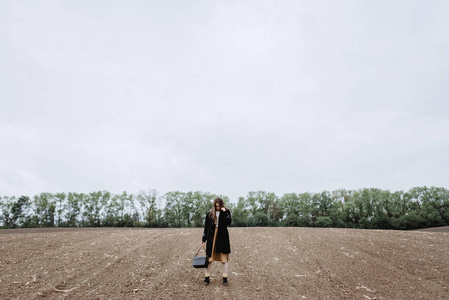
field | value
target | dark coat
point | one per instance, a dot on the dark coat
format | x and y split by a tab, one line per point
222	243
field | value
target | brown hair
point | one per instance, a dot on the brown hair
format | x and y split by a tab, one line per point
212	211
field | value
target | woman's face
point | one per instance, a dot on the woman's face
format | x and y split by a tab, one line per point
217	206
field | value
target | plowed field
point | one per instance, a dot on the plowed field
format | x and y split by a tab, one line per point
268	263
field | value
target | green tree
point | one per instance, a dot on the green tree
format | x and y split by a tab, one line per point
173	210
20	212
72	209
240	213
95	205
60	205
323	221
45	209
305	209
411	220
351	216
290	205
123	210
261	202
6	216
259	219
200	204
149	206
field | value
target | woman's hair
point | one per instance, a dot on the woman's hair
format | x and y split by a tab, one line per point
212	211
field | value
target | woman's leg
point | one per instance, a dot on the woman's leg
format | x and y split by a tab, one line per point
225	273
225	269
207	274
207	271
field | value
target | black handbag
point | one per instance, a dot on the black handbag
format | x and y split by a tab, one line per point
200	261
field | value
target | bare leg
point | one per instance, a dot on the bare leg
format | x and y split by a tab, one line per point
207	272
225	274
225	269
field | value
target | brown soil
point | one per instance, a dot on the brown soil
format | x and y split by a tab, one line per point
268	263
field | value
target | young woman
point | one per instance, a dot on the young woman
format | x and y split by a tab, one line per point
217	236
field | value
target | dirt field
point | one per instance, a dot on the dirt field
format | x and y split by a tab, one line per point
267	263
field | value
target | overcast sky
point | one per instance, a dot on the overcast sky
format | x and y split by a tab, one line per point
224	97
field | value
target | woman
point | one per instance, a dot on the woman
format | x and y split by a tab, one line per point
217	236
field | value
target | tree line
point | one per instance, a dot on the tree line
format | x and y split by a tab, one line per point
368	208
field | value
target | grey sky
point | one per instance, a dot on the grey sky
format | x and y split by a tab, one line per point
223	96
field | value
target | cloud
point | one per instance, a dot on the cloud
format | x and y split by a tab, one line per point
223	97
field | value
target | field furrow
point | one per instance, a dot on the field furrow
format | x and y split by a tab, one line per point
268	263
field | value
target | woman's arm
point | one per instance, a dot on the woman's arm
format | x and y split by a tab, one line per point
227	217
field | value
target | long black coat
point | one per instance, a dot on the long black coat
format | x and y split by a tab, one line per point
222	243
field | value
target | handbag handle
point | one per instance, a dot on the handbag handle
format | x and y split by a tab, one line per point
199	250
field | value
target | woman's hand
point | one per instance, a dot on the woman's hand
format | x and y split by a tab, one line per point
202	244
223	209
